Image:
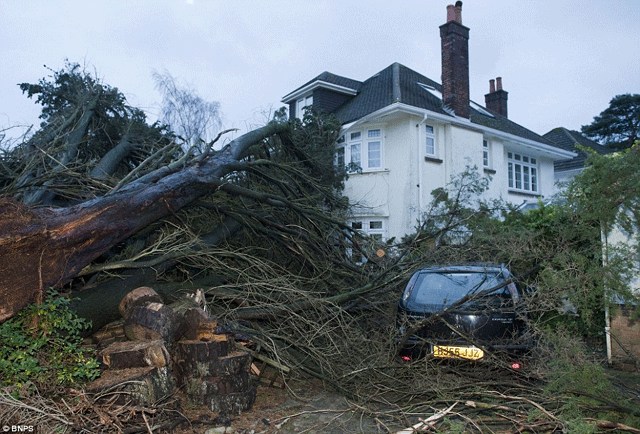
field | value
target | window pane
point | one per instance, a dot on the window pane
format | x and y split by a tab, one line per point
356	225
510	175
430	140
355	136
431	146
355	153
518	175
373	133
374	154
525	171
533	161
375	224
534	179
340	157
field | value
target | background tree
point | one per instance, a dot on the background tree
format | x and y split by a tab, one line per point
618	125
193	120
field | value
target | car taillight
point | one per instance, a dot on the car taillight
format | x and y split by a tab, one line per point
406	358
516	365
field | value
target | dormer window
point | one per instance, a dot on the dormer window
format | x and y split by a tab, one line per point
303	103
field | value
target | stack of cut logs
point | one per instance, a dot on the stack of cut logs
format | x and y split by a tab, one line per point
157	348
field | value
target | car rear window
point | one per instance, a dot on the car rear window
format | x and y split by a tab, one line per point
439	290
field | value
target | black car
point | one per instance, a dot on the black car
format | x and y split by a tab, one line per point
462	312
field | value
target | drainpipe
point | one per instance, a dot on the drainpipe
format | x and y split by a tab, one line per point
607	317
420	166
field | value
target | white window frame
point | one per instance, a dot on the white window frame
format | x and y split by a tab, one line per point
302	103
375	227
523	173
363	148
371	226
486	154
430	142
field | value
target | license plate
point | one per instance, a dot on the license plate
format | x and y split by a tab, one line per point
469	353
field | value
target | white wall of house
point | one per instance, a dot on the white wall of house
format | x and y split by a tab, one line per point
399	191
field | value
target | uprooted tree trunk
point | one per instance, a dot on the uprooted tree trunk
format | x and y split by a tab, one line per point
46	247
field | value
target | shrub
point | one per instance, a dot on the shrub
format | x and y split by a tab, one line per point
42	346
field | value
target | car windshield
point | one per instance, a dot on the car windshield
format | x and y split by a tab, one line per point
441	289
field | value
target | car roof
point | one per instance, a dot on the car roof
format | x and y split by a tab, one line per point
471	268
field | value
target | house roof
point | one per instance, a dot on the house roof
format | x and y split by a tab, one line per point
567	139
325	78
400	84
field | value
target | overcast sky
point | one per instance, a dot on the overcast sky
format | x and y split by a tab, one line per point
561	61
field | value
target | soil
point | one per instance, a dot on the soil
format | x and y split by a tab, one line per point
303	406
306	406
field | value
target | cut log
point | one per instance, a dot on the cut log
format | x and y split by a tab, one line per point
142	386
138	297
135	354
190	351
109	334
233	364
152	321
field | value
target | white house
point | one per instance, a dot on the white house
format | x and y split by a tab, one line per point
410	135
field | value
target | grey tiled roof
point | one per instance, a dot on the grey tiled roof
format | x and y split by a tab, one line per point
395	83
333	79
567	139
399	84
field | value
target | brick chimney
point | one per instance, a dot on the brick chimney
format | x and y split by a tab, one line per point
455	61
496	99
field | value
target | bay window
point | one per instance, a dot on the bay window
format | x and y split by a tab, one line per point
522	172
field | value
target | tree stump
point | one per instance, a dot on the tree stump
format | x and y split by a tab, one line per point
141	386
211	375
190	352
198	326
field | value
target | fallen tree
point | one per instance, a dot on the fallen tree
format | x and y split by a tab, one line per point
46	247
98	200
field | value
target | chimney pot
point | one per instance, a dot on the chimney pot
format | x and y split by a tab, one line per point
497	98
451	14
458	12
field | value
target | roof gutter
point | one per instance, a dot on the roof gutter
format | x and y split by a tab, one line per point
465	123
